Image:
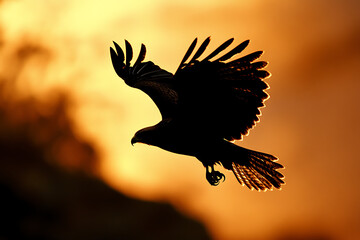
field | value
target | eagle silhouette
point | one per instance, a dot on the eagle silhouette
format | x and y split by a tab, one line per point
205	106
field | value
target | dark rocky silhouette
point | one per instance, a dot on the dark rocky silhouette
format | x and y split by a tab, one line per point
44	196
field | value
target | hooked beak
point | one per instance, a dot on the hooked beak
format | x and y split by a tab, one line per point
134	140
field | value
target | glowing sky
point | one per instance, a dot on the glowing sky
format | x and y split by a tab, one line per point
310	122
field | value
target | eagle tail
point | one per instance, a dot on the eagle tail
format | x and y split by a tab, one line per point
258	170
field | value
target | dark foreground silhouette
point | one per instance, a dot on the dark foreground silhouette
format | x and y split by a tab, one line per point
206	105
48	190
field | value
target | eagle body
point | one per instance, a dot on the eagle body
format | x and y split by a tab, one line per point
184	140
205	106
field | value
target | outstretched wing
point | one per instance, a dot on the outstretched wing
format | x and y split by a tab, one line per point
222	96
146	76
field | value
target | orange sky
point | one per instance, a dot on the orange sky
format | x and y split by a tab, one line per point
310	121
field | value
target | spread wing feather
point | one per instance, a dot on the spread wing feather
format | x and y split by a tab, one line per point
219	49
141	56
218	96
187	54
200	50
223	97
129	53
236	50
249	58
146	76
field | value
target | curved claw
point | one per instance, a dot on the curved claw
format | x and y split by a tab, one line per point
214	177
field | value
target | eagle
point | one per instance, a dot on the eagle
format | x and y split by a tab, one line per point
205	106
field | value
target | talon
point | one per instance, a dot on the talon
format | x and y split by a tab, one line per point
213	176
219	175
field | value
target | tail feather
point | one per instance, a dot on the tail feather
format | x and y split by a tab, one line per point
268	159
262	179
259	172
264	167
241	177
255	182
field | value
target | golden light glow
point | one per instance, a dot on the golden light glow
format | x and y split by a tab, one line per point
308	122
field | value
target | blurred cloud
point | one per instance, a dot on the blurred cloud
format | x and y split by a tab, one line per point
49	172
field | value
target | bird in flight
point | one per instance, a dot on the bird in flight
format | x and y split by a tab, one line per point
205	106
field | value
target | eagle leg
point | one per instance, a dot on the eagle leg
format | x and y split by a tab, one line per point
213	176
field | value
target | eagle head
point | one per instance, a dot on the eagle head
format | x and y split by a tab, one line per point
145	135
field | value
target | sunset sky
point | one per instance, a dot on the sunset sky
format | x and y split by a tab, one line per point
311	121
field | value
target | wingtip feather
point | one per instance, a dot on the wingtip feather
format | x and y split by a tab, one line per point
238	49
201	50
119	52
187	54
219	49
129	52
142	54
